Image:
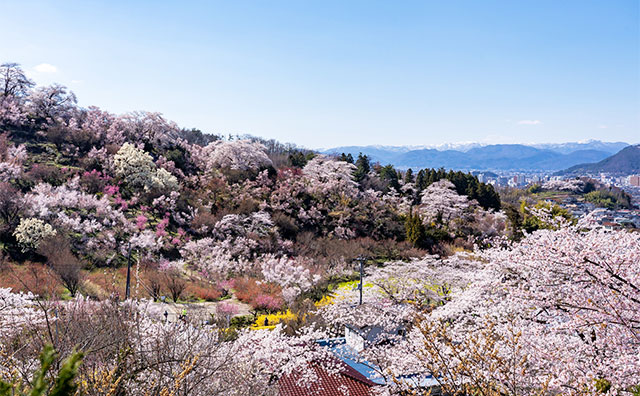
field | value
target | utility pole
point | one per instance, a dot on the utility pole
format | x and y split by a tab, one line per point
127	290
360	286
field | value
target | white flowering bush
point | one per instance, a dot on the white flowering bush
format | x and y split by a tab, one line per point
31	231
137	169
135	166
164	181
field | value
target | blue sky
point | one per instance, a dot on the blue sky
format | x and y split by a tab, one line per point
331	73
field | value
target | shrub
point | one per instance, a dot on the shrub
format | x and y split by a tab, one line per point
261	296
266	302
62	384
31	231
36	278
63	262
239	322
202	291
48	174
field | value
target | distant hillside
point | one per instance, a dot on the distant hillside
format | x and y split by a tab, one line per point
626	161
498	157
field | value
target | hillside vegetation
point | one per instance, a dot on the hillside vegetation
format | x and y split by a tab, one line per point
83	191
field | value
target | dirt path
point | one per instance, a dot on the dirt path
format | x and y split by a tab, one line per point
198	311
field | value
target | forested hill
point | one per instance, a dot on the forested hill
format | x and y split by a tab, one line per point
95	184
625	162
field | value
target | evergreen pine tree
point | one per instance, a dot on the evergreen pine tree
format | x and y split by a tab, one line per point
363	166
415	230
408	176
421	180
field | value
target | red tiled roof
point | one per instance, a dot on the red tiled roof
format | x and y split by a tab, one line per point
347	382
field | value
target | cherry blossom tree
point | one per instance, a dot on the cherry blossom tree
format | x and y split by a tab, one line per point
293	275
236	155
326	174
12	158
13	81
575	185
12	112
572	297
440	200
52	103
143	127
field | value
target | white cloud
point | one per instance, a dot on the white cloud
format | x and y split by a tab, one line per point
529	122
45	68
602	126
76	81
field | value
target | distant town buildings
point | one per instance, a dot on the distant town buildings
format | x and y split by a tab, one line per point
624	218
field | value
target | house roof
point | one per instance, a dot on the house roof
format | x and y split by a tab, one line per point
349	356
347	382
375	334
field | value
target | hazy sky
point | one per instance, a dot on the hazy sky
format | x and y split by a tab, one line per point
328	73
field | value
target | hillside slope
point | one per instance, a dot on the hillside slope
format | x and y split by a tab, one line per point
626	161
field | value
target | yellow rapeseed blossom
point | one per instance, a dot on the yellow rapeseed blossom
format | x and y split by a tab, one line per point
272	320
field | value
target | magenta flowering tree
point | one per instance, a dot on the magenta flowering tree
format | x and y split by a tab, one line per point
266	302
141	222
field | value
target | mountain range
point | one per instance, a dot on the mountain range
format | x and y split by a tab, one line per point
497	157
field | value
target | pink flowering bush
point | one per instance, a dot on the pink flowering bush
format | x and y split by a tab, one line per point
265	302
141	222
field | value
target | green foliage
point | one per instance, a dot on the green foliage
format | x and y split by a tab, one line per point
415	230
608	199
534	188
346	158
603	385
466	184
363	167
435	234
421	179
299	159
408	176
179	156
389	175
515	218
326	286
240	322
61	385
532	223
196	136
